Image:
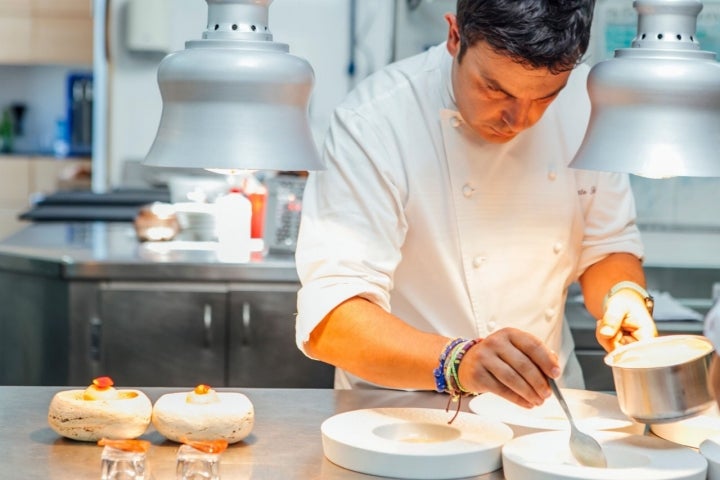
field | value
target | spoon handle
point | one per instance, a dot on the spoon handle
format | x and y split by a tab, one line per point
560	399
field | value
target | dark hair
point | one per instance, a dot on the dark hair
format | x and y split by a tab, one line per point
553	34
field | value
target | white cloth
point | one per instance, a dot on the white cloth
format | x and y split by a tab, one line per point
450	233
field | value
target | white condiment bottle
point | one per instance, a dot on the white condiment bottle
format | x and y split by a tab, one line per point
233	217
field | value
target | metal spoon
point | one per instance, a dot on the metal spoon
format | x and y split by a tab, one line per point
584	448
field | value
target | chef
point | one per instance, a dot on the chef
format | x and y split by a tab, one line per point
436	250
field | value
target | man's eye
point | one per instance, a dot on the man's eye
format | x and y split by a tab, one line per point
494	92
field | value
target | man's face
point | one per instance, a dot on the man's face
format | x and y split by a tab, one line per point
496	96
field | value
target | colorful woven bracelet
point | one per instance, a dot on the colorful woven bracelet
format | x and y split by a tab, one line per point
452	380
439	372
451	370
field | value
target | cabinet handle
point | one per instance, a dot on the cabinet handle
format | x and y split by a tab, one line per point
95	339
207	323
246	323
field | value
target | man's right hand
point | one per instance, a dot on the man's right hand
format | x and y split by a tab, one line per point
512	364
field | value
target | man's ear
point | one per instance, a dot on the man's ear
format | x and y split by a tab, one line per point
453	37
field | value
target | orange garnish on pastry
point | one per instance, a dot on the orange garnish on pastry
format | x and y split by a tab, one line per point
101	389
202	394
140	446
202	389
102	383
207	446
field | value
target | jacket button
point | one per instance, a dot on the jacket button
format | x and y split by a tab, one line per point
492	325
557	248
467	190
478	261
552	175
455	122
549	313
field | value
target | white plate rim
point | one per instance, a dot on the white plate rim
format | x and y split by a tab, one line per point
350	441
663	455
691	431
373	418
609	416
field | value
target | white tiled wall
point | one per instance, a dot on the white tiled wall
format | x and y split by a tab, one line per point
678	203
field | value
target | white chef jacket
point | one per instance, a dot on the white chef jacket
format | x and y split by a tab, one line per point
450	233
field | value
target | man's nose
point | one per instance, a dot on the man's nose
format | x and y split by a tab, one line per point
518	115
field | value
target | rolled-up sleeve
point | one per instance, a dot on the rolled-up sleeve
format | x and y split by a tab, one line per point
610	218
352	226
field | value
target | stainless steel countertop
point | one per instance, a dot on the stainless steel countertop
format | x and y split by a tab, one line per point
100	250
285	442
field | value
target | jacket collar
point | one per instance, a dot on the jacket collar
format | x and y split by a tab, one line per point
447	93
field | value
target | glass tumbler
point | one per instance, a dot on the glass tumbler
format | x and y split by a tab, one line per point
122	465
194	464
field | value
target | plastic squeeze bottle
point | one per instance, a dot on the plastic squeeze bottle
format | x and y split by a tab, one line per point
233	218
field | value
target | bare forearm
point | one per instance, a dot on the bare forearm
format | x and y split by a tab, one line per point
599	278
363	339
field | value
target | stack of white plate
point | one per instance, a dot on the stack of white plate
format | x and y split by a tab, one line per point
540	449
546	456
197	220
700	431
690	431
710	449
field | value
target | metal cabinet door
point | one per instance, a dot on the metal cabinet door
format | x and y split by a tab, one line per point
163	334
33	330
262	350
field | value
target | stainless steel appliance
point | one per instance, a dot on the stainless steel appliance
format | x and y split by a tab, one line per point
284	205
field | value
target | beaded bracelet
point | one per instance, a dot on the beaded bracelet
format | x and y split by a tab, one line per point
451	369
454	388
439	372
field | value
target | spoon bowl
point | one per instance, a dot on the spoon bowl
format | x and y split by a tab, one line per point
584	448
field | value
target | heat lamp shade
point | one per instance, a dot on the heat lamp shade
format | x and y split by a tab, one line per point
654	114
656	106
235	105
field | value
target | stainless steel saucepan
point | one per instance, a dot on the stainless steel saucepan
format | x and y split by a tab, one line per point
662	379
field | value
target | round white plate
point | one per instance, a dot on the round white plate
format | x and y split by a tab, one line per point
546	456
590	410
414	443
690	431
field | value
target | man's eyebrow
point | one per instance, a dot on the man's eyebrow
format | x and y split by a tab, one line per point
494	84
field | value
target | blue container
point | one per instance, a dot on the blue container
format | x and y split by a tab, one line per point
79	113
